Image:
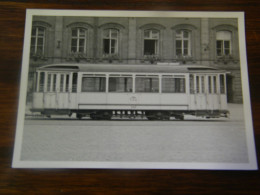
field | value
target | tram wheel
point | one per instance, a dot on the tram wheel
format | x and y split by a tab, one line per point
167	117
180	117
79	116
93	116
162	116
150	118
107	115
159	115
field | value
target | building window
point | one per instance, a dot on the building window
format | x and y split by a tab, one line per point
110	41
78	40
223	43
183	43
151	42
37	40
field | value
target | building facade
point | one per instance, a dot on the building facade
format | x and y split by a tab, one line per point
129	40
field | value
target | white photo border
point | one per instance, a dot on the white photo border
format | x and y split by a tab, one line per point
17	163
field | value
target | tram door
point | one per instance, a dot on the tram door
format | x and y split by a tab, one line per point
200	97
56	95
49	95
206	93
212	92
62	91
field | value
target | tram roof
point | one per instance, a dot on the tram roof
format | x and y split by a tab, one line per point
128	68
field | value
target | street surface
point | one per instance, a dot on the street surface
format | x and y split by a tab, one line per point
192	140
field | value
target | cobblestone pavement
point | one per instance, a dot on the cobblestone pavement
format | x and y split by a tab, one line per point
192	140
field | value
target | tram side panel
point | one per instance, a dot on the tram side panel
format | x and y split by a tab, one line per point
38	101
132	101
89	101
199	92
122	101
97	92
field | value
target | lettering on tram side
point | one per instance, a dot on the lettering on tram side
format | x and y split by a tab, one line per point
133	101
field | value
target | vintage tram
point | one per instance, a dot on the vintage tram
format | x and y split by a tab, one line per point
157	92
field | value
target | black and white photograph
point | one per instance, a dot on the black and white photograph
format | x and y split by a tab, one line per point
134	90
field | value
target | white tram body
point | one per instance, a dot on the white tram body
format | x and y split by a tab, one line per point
155	91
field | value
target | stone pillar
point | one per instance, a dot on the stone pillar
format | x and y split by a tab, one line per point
95	39
205	53
58	32
132	41
167	45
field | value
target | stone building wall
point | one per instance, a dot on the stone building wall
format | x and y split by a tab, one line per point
57	47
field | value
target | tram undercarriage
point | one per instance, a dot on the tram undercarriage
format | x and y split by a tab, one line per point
132	114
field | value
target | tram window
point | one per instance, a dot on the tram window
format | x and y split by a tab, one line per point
146	84
222	84
209	84
191	84
41	81
93	84
61	83
202	84
36	82
74	82
173	85
54	82
197	84
67	83
64	82
215	84
49	83
120	84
